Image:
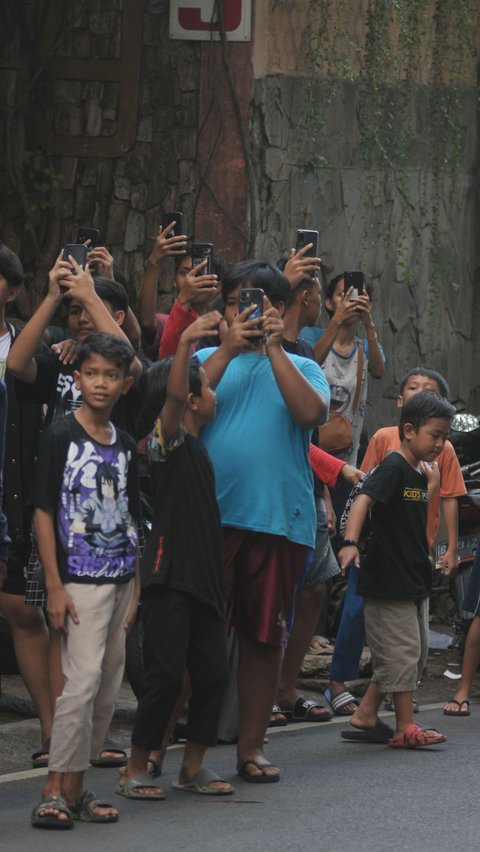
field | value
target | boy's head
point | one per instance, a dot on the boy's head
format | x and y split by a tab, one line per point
11	274
421	379
102	370
201	399
424	424
255	274
113	295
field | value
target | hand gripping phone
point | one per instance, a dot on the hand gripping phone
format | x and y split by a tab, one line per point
303	238
355	280
252	296
174	216
203	251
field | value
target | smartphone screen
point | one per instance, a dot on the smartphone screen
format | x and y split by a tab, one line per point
203	251
173	216
355	280
78	252
85	234
304	237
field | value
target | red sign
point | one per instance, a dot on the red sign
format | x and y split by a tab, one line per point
197	19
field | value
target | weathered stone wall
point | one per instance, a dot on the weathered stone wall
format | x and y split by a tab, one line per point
424	321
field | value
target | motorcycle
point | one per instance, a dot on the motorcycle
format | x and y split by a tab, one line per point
465	437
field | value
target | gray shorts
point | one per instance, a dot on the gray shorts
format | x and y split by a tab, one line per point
397	635
324	566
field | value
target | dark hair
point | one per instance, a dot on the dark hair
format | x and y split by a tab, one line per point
109	346
443	388
258	273
421	408
112	292
108	291
11	267
107	473
153	391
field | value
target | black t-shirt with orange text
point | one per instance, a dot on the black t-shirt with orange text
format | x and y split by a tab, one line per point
397	564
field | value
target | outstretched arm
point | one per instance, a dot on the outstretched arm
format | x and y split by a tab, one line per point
20	360
178	384
306	405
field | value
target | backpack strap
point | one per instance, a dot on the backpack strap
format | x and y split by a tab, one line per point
360	360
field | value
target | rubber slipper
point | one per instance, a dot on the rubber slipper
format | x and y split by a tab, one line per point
302	711
459	704
340	701
129	789
40	757
50	820
257	779
85	809
416	737
281	719
118	756
200	783
380	733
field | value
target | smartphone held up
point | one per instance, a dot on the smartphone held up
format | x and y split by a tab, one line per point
304	237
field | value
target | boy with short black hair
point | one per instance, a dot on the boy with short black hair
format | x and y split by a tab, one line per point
396	577
182	575
351	632
87	502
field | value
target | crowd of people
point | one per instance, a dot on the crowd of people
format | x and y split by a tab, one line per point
190	470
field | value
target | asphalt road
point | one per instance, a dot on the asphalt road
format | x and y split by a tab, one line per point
333	796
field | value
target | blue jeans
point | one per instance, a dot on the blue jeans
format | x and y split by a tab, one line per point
351	633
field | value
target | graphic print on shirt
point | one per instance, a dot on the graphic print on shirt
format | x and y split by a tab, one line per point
94	524
67	397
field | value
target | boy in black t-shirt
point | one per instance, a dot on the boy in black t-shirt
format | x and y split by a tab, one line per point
86	500
182	575
396	577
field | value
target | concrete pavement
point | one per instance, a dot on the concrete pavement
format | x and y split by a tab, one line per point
333	795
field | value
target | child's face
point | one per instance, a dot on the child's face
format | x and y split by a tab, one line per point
101	382
428	442
414	385
7	293
207	401
231	305
79	322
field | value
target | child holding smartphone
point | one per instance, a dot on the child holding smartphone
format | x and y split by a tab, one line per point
182	575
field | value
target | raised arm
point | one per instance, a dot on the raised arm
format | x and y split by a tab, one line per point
376	360
194	292
20	360
306	404
80	286
345	311
163	247
178	384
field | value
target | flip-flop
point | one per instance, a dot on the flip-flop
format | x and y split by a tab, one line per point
340	701
85	809
49	820
302	711
40	757
129	789
416	737
117	757
459	704
278	722
380	733
200	783
257	779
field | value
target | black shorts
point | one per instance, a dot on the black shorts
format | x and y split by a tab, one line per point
18	556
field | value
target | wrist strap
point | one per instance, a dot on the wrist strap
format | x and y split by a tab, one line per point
349	542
